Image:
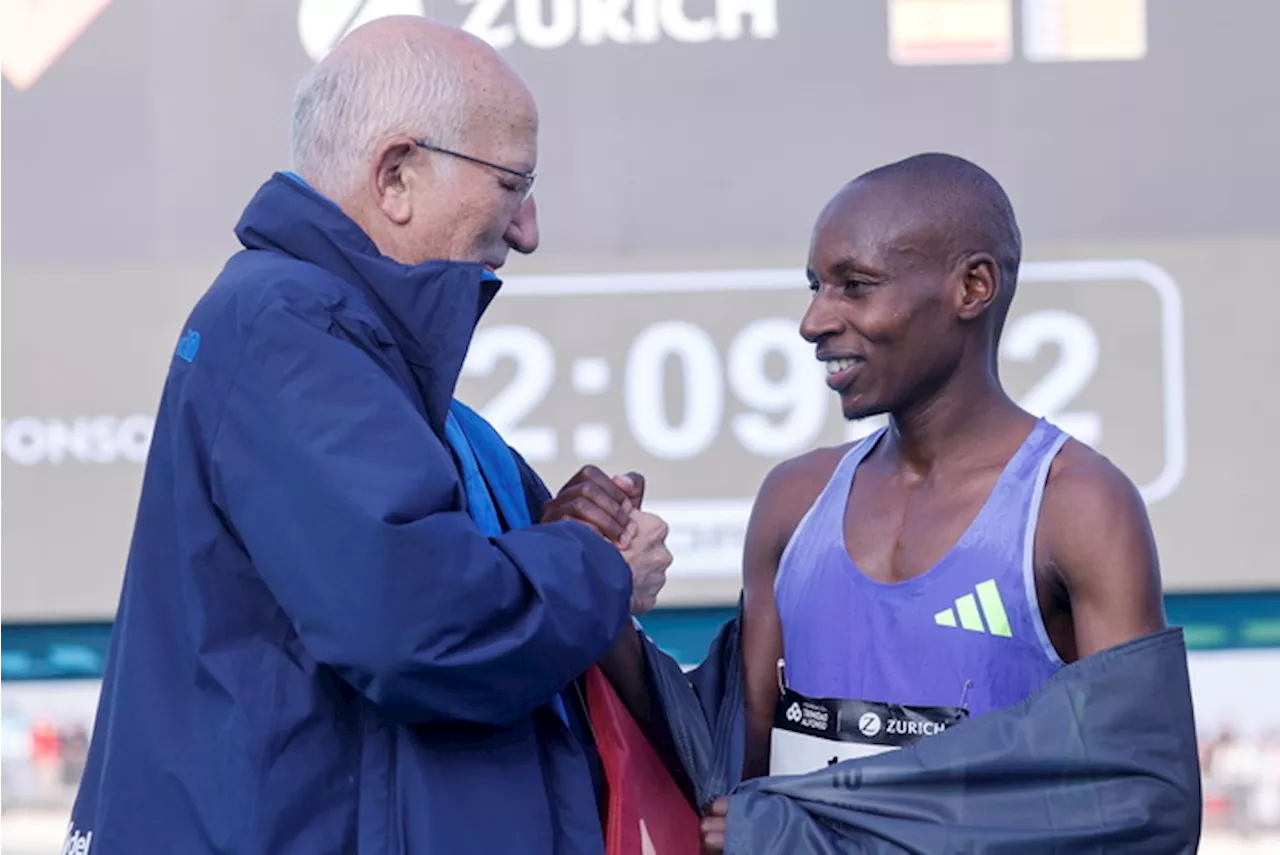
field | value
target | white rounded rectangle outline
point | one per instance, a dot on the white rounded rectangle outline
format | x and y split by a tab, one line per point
681	513
1173	362
1056	272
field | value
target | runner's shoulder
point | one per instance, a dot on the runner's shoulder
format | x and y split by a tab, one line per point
793	485
1086	491
1082	473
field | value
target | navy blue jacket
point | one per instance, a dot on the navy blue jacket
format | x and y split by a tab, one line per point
316	649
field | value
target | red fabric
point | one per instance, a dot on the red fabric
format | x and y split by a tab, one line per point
647	813
45	744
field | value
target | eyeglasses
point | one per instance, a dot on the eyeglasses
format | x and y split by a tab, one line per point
525	177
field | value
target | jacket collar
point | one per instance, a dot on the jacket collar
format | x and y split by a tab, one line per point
431	309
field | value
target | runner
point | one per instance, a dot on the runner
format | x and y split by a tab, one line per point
969	549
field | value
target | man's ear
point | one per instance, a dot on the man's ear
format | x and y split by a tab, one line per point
979	285
395	176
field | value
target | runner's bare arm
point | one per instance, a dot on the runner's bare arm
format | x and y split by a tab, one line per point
784	497
1096	537
761	629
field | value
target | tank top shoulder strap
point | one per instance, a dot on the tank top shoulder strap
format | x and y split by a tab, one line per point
1031	478
825	517
1010	512
1030	464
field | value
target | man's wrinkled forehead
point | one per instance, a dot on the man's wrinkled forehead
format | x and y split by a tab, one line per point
875	224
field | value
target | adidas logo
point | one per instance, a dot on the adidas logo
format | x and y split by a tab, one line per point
973	610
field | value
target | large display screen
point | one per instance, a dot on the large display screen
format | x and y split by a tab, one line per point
686	148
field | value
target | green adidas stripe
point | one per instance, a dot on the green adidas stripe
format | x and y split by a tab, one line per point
972	611
967	608
993	608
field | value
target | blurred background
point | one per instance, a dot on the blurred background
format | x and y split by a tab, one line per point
686	148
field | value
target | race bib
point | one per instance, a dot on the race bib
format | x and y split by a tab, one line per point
813	733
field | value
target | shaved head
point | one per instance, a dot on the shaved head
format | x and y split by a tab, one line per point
913	268
951	208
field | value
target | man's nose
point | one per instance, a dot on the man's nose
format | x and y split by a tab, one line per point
820	319
522	233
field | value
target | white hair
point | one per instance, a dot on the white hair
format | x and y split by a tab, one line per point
347	106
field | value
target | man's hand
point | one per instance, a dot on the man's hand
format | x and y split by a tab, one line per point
714	825
649	559
648	554
594	498
633	485
611	506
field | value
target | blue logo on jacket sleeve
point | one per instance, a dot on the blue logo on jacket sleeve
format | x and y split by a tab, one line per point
189	346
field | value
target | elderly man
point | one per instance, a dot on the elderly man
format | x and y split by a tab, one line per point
353	620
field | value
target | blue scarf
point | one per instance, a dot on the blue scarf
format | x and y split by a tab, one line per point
491	481
489	472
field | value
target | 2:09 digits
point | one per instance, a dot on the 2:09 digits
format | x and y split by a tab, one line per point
771	373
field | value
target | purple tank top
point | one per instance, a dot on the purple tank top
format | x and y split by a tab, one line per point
972	618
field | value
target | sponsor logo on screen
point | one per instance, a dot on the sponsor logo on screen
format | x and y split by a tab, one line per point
30	441
550	24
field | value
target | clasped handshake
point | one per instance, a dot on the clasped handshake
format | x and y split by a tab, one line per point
611	506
